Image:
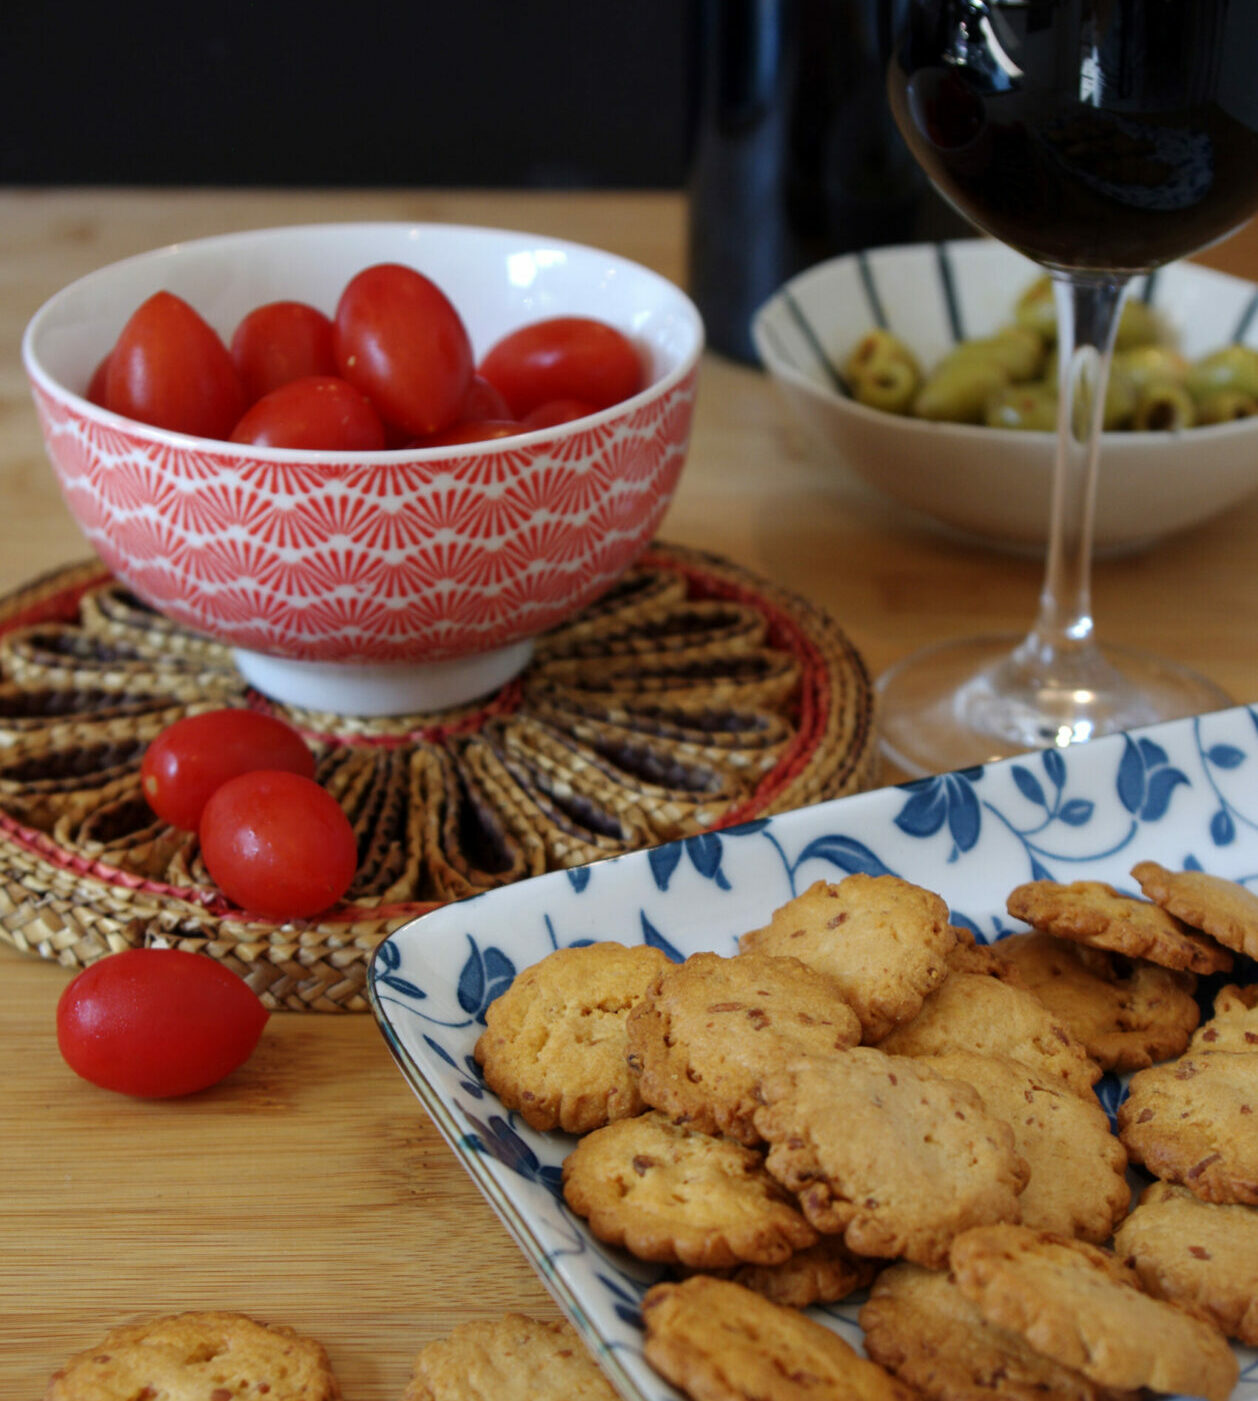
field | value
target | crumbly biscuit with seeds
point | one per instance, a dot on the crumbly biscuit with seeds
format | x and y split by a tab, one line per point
1078	1184
554	1043
1199	1254
1195	1121
974	1012
197	1356
709	1029
1233	1025
821	1274
1221	908
1126	1015
885	1151
717	1341
1081	1306
667	1192
886	942
1091	912
512	1358
919	1326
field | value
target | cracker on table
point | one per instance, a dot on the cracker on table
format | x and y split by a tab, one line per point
822	1273
885	941
717	1341
1195	1121
554	1043
1126	1015
1224	909
667	1192
1078	1184
974	1012
885	1151
919	1326
196	1355
1094	913
709	1029
1081	1306
512	1358
1200	1254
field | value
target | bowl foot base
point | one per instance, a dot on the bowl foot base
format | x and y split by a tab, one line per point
382	688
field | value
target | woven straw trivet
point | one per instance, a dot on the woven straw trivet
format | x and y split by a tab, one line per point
691	697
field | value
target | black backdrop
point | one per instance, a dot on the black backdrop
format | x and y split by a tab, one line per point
466	92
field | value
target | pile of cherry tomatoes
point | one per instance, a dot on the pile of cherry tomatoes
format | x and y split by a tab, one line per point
393	368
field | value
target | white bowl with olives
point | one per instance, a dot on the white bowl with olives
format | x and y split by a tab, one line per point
928	371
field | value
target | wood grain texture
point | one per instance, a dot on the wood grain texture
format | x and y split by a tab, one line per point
310	1188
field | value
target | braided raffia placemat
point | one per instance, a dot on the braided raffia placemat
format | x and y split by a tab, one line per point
691	697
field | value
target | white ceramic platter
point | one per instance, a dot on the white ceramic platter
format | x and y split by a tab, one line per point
1183	794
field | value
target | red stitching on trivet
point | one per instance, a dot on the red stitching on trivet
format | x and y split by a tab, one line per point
60	607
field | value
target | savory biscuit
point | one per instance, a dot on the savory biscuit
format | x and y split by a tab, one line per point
1221	908
919	1326
886	942
667	1192
1078	1184
1233	1025
885	1151
554	1043
1196	1253
717	1341
1081	1306
1195	1121
1125	1017
512	1358
974	1012
197	1357
707	1030
1094	913
820	1274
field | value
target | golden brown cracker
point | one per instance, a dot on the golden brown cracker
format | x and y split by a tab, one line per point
1223	909
822	1273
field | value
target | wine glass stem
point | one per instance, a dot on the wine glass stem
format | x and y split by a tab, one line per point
1088	309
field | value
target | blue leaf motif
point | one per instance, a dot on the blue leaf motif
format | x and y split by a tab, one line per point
1039	871
441	1051
1192	863
1161	786
846	853
652	936
1222	828
747	829
1077	812
1029	786
1225	756
483	977
1153	753
663	861
965	922
1131	778
1055	768
924	813
499	1140
578	877
964	819
705	852
1111	1092
391	960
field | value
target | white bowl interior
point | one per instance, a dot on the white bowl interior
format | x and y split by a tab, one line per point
497	279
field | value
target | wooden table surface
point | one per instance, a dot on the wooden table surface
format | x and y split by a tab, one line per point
310	1188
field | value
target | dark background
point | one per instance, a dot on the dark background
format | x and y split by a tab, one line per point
543	93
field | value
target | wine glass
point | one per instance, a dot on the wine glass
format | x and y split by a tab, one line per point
1102	139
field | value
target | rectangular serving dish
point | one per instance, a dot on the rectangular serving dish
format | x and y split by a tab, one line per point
1183	794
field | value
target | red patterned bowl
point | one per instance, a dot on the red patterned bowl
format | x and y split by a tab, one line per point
378	582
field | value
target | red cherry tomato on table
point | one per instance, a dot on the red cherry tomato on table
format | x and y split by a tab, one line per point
400	340
565	357
323	413
279	342
278	844
199	753
157	1022
169	368
556	411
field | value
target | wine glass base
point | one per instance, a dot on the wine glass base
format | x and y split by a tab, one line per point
983	698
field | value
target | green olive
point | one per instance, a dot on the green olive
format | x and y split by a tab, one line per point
958	393
1138	324
874	349
1120	396
1233	367
1164	404
1144	363
889	386
1225	405
1020	350
1027	406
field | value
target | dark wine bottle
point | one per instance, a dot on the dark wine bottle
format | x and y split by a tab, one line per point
796	157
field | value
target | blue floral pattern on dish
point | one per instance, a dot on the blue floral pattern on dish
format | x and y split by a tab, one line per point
1183	794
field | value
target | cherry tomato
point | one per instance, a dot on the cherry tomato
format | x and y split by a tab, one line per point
95	391
322	412
278	845
556	411
400	341
170	369
565	357
482	401
157	1022
280	342
199	753
471	431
